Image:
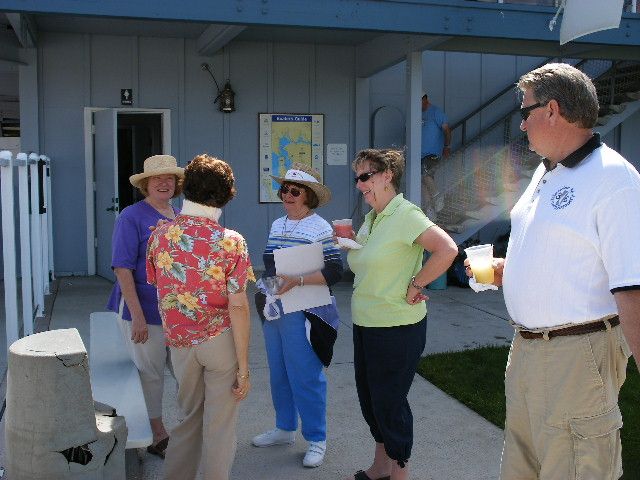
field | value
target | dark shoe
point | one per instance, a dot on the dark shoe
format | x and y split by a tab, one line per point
360	475
159	448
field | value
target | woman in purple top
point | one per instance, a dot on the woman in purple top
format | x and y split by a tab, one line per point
136	301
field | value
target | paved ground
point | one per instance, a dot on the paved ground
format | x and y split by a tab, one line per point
451	442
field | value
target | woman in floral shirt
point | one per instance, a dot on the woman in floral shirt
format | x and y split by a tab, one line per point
201	271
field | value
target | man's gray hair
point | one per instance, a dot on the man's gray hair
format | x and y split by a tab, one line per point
572	89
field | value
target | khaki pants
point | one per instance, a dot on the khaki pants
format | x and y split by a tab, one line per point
150	359
563	418
205	375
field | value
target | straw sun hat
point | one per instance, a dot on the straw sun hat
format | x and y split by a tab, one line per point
310	178
157	165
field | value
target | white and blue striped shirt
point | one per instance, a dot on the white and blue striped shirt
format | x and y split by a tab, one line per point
312	229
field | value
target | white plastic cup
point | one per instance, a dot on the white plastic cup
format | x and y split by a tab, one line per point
343	227
481	262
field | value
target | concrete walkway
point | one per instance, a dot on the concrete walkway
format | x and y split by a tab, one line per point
450	441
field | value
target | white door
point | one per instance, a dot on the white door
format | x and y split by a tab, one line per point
105	155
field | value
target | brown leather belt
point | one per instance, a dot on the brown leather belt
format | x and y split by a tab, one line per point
573	330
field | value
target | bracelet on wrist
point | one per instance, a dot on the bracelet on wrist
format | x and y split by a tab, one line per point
242	376
415	285
301	282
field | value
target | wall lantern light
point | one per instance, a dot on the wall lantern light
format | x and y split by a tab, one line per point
225	96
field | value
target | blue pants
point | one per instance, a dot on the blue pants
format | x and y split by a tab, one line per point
385	361
298	383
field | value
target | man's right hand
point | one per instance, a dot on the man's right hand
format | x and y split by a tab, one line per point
498	270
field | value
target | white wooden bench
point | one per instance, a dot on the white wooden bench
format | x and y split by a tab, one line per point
114	378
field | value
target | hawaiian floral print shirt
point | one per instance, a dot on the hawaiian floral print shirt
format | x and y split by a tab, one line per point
195	264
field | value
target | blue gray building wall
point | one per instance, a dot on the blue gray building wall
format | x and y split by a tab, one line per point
78	71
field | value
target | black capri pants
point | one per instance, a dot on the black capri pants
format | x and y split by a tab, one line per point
385	361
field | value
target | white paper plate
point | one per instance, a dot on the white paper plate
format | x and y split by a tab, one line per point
348	243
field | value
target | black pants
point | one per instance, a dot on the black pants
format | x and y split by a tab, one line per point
385	362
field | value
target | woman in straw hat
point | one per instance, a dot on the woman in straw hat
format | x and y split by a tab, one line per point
132	298
298	383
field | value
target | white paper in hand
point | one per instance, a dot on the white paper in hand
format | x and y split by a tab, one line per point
296	261
348	243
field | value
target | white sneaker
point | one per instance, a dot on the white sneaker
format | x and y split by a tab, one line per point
315	454
274	437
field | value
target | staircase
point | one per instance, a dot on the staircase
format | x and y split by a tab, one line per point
486	175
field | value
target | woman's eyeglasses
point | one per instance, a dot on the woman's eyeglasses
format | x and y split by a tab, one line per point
284	189
526	111
363	177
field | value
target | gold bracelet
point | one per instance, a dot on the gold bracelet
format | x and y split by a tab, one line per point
242	376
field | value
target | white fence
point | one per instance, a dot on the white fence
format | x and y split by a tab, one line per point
32	217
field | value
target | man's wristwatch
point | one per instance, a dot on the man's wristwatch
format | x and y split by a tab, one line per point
415	285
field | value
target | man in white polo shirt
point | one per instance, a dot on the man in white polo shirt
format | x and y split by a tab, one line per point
571	280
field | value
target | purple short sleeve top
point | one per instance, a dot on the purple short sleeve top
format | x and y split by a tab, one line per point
129	247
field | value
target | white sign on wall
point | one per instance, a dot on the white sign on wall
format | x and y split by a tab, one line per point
337	153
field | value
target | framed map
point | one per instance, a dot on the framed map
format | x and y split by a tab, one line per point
285	139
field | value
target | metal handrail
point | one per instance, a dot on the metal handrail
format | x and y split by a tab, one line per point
464	119
486	104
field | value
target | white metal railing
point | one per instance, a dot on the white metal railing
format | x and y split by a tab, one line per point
33	216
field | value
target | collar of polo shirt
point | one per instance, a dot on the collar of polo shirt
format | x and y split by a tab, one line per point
574	158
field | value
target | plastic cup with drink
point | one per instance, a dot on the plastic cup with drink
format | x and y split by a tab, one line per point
343	228
481	262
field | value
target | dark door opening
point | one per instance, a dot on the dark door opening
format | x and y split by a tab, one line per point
139	137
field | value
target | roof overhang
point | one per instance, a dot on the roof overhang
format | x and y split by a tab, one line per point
434	17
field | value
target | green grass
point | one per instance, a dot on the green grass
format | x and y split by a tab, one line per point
476	379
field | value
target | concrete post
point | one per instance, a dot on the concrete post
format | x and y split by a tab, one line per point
52	428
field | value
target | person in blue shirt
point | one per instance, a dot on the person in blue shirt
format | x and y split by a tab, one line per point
436	144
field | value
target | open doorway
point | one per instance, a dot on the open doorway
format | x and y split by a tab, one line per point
117	141
139	137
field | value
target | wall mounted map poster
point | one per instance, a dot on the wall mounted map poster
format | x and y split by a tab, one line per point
285	139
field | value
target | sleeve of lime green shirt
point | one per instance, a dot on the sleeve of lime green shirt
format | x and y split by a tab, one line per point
415	222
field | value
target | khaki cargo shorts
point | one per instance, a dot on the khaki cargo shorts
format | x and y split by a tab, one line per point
563	420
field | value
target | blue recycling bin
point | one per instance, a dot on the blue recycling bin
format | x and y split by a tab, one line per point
439	283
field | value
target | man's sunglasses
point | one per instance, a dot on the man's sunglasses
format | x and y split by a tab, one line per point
284	189
526	111
363	177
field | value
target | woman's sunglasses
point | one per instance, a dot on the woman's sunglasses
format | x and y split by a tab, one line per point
363	177
284	189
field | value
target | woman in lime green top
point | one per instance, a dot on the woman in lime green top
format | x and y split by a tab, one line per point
388	306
